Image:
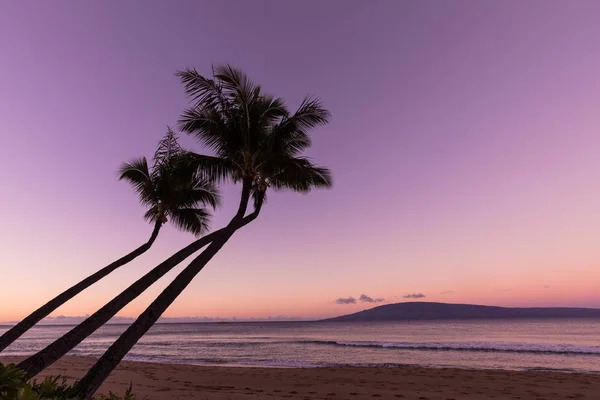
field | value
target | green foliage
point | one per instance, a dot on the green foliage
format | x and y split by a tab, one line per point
50	388
11	381
127	396
12	387
27	393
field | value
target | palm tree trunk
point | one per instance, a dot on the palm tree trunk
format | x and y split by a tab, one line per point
46	357
27	323
88	385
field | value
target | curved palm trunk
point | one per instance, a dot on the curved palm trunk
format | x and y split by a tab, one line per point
27	323
102	369
46	357
88	385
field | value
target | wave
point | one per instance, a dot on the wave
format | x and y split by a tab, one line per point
205	343
175	360
282	363
510	347
483	346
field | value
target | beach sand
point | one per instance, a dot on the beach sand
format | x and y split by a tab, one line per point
167	381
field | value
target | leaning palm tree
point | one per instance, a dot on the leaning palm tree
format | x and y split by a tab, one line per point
168	192
255	141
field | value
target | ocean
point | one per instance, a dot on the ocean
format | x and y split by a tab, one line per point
557	344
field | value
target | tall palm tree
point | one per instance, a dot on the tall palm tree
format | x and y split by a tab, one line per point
168	192
256	141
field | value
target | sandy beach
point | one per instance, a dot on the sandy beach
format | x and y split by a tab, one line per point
168	381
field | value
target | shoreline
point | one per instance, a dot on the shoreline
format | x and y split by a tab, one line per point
157	381
307	365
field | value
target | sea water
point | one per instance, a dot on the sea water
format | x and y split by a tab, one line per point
557	344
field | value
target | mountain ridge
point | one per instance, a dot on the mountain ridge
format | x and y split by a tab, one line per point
421	310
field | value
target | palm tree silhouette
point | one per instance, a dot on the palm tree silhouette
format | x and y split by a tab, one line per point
256	141
169	190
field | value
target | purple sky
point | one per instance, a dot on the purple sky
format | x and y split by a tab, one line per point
464	145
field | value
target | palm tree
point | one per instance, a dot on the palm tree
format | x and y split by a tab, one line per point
256	141
168	192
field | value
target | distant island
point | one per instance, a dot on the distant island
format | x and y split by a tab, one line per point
444	311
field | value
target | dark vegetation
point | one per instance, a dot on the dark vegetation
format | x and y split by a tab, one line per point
13	387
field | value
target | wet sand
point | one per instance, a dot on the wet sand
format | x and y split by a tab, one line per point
168	381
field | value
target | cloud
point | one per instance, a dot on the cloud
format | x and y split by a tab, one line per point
368	299
345	300
414	296
547	286
447	292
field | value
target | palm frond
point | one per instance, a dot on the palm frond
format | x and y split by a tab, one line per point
270	109
137	174
135	170
183	185
217	169
245	100
236	84
291	135
168	147
310	114
202	90
300	175
195	191
208	125
193	220
263	114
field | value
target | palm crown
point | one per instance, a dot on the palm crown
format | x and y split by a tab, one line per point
252	134
170	189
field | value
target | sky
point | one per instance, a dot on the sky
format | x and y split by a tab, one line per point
463	141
